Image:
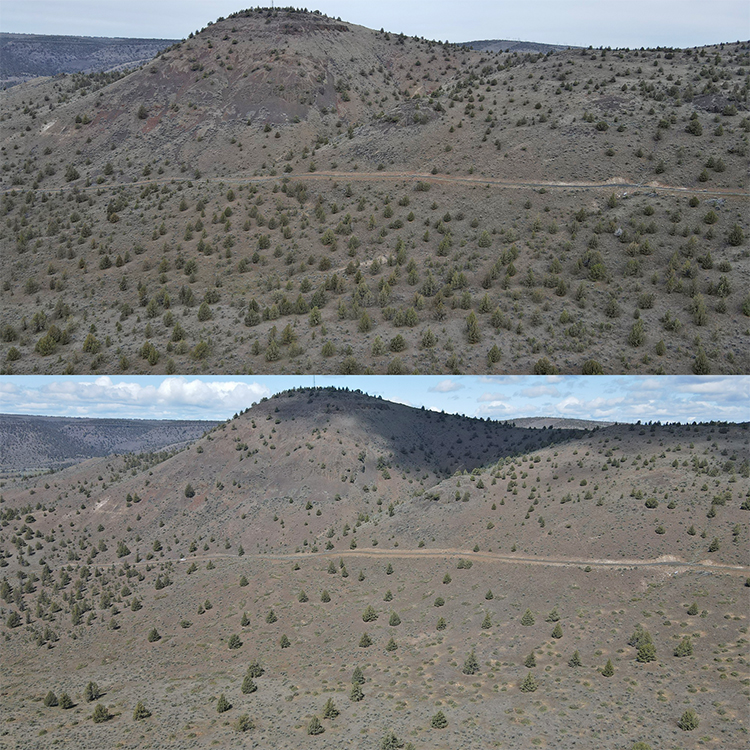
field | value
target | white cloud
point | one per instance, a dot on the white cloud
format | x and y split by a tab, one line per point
540	390
172	397
446	386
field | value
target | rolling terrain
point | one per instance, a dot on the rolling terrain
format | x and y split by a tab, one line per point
33	443
496	585
26	56
287	192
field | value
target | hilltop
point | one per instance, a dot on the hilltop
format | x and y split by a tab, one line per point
287	192
446	557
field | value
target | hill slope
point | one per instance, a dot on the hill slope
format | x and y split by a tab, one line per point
322	534
504	212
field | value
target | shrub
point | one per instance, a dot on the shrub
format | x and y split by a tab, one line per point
592	367
545	367
244	723
688	721
637	335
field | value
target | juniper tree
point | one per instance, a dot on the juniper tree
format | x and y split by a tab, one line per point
553	616
487	622
153	635
575	660
248	686
394	620
314	726
530	661
140	712
284	642
369	615
325	597
684	648
471	665
91	692
365	641
357	676
391	645
528	618
234	641
65	701
441	624
329	710
439	721
529	684
557	631
50	700
101	714
356	693
608	670
271	617
255	669
222	704
489	595
646	653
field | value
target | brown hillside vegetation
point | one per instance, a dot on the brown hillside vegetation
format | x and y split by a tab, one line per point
286	192
468	555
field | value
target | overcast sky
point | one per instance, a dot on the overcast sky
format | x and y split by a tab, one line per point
599	23
607	398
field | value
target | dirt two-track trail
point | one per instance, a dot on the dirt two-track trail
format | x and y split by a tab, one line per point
669	563
611	183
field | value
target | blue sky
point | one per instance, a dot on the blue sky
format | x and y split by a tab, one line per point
607	398
600	23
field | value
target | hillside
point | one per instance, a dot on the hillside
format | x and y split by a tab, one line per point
286	192
34	443
320	521
26	56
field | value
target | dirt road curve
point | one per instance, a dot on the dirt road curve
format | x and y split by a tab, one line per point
612	183
669	562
